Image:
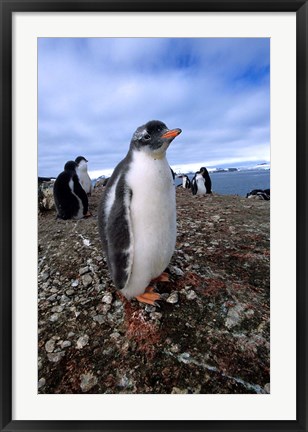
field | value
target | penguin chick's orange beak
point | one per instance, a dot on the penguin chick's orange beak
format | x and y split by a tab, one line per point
172	133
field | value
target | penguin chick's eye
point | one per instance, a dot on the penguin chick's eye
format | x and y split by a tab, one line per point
147	137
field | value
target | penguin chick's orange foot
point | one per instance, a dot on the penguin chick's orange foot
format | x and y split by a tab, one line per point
149	296
164	277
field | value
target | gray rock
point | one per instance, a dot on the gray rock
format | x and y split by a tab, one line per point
115	335
191	295
50	345
176	390
69	292
86	280
156	315
66	344
54	317
87	381
57	309
56	357
176	270
99	318
82	341
173	298
41	383
234	316
107	298
64	299
83	270
45	276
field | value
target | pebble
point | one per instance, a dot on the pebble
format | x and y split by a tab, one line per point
176	270
86	280
115	335
66	344
191	295
45	276
75	283
56	357
64	299
103	308
82	341
107	298
41	383
176	390
156	315
50	345
83	270
99	318
87	381
234	316
54	317
57	309
69	292
173	298
175	348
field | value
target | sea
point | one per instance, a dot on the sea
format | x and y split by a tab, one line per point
237	182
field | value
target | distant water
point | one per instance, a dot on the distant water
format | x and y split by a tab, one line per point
238	182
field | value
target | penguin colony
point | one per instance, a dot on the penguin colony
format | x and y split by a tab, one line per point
137	213
70	196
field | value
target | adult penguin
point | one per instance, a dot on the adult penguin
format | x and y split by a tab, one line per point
137	213
201	183
70	198
82	172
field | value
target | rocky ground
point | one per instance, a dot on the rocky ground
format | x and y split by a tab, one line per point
209	334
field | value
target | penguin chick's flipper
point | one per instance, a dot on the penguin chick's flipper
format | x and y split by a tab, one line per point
117	232
149	296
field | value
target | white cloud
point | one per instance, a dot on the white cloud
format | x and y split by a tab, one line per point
94	93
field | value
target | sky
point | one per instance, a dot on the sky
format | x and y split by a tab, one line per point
93	93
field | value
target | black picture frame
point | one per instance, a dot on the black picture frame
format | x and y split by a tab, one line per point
7	8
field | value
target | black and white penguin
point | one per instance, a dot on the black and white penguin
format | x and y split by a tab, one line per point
82	172
70	198
137	213
201	183
185	181
260	194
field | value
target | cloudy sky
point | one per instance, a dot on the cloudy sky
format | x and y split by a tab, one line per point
93	93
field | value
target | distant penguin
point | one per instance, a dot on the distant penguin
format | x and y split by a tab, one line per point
185	181
259	194
82	172
137	213
70	198
201	183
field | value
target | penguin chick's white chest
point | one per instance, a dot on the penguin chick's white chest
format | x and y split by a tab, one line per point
84	178
201	185
153	219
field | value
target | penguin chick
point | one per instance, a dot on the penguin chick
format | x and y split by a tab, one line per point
82	172
70	199
201	183
137	213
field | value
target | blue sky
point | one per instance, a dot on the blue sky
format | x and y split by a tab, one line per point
94	92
